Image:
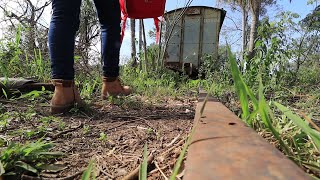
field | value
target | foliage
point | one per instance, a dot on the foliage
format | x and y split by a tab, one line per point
312	20
215	67
280	54
16	63
162	82
32	158
89	173
297	139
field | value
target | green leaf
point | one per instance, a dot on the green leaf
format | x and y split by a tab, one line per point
315	136
52	167
87	173
58	154
26	167
143	171
240	88
39	145
4	93
2	171
266	116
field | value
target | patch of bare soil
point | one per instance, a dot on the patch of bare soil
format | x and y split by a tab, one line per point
113	136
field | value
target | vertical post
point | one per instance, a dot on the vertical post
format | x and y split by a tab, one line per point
140	44
144	45
133	42
160	47
200	55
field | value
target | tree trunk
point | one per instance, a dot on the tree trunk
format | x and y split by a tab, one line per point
140	43
133	42
244	27
144	46
255	10
159	61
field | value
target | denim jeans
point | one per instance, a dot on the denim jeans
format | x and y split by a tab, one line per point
63	26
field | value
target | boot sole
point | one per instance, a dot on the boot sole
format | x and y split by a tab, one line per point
105	97
60	109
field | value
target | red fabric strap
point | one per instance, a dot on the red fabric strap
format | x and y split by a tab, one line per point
142	15
123	28
156	23
123	18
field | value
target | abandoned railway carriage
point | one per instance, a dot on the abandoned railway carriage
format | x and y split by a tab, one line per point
191	33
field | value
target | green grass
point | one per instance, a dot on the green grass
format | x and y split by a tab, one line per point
32	157
294	137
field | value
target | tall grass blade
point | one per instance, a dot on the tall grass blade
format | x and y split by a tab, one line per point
265	114
2	171
88	172
314	135
143	171
186	145
240	88
4	93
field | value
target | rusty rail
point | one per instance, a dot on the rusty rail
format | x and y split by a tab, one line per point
223	147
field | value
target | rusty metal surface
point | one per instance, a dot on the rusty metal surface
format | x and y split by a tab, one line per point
223	147
194	35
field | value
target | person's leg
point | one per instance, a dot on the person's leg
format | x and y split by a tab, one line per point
63	26
110	17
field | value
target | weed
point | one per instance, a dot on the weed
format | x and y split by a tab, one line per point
293	138
103	137
89	173
149	131
86	129
4	120
33	157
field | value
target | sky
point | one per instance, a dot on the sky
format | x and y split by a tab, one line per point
228	32
233	37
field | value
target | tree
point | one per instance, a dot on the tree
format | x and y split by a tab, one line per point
88	33
27	13
256	8
312	20
133	42
140	43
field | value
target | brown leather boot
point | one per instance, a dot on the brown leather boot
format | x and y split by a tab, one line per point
112	87
65	96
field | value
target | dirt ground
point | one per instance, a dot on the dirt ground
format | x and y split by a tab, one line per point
112	135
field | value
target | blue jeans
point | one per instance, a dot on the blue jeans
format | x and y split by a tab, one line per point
64	24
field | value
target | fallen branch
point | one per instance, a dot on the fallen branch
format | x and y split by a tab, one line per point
135	173
162	169
173	141
157	166
71	177
119	125
105	173
165	153
55	136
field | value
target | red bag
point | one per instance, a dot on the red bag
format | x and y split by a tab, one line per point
141	9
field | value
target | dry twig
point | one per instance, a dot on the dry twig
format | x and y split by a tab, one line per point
55	136
157	166
135	173
310	121
71	177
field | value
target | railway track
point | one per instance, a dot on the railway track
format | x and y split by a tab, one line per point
223	147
